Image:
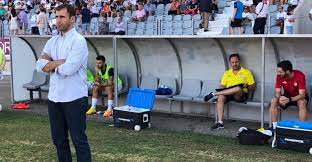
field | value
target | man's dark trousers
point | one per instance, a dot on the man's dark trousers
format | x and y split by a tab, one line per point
259	25
69	116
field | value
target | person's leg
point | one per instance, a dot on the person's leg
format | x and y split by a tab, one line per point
88	29
303	112
256	26
206	21
96	92
240	30
220	109
110	101
262	27
230	91
76	121
59	131
226	92
41	31
274	111
231	30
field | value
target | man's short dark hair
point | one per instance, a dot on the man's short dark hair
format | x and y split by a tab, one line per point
285	65
234	55
100	57
70	9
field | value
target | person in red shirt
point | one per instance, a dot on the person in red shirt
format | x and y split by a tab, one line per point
293	83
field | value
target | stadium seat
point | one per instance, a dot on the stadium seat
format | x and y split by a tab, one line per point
150	25
167	7
127	13
150	19
208	86
168	18
188	31
177	31
186	17
177	24
150	31
160	7
38	79
197	17
160	17
126	19
177	18
139	32
149	82
167	31
167	24
110	19
141	25
169	82
187	24
190	89
196	24
275	30
272	8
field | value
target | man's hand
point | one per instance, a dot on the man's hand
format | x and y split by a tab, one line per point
46	57
232	19
61	61
283	100
50	67
96	83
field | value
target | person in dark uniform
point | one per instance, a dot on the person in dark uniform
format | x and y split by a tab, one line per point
205	10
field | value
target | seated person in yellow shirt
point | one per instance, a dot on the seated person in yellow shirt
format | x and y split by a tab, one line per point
235	84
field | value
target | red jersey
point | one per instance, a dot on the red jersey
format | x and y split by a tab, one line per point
291	86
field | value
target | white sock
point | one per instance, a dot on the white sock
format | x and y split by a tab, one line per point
274	125
221	122
93	103
110	104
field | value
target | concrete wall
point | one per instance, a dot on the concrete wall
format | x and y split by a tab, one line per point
181	58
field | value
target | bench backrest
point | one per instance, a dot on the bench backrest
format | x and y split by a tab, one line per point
191	88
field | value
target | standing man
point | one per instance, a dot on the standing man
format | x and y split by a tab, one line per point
64	57
85	19
205	10
237	18
295	94
262	11
104	81
235	85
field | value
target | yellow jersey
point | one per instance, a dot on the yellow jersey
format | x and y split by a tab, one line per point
243	76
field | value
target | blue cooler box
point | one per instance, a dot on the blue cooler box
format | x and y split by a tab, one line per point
136	114
294	135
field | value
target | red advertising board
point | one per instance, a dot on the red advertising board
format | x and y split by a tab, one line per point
5	45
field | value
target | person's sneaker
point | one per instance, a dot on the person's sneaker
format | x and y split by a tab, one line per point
206	30
91	111
209	96
217	126
108	113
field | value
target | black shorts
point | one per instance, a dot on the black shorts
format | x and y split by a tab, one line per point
241	100
236	23
231	97
294	103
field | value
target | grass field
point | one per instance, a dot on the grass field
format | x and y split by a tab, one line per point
26	137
